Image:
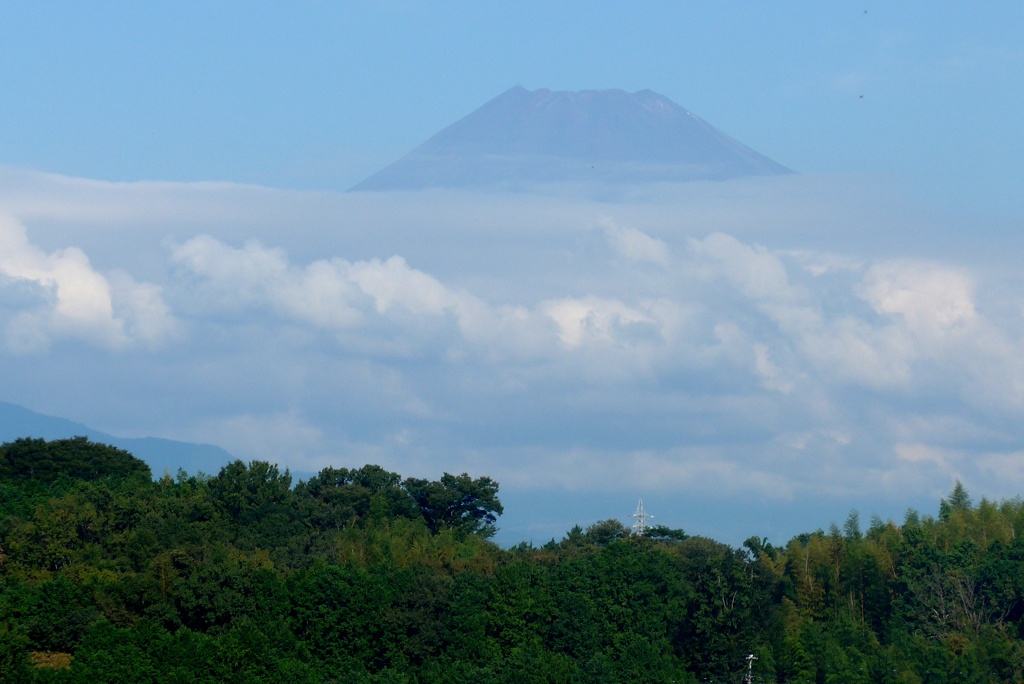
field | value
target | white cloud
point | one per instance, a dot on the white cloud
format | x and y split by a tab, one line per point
357	298
593	318
752	269
146	316
923	453
853	351
822	263
932	300
79	301
758	338
256	277
773	376
804	326
393	284
637	246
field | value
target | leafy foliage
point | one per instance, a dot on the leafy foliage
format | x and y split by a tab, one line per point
357	575
78	458
457	502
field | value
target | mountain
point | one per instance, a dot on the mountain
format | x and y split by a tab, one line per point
525	137
160	454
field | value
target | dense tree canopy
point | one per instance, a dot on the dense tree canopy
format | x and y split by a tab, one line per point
357	575
457	502
38	459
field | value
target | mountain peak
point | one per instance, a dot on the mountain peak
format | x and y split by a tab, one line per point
529	137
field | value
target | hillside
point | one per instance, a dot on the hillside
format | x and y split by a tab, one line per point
159	454
359	575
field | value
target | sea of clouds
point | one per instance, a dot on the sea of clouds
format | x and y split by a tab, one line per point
780	339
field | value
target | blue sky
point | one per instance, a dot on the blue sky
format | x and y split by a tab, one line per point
177	257
315	94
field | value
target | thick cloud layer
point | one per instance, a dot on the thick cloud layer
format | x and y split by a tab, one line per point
735	341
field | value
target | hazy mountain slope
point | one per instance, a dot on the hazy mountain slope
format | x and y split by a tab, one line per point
161	454
523	137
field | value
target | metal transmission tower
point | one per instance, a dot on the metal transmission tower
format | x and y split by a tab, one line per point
640	526
750	668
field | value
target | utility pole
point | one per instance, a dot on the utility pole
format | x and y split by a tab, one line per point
640	526
750	668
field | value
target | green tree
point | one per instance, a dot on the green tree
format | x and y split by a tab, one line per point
38	459
337	497
258	501
243	491
851	528
457	502
664	533
959	500
604	532
13	655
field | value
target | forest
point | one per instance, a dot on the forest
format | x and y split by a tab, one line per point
360	575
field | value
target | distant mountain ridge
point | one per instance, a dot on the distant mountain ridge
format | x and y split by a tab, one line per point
525	137
160	454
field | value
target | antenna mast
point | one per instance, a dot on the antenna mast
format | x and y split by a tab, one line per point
640	526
